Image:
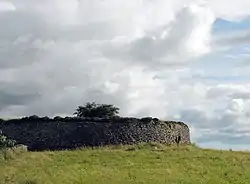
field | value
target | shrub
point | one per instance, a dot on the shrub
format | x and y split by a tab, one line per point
91	110
58	118
5	142
45	118
31	118
146	119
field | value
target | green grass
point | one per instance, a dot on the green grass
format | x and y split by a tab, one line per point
118	165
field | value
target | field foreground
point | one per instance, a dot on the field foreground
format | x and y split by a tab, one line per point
141	164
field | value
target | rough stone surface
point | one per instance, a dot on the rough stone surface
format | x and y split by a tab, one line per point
70	133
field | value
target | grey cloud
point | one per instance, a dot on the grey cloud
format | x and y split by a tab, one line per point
224	128
20	30
240	95
245	63
216	92
235	39
195	117
66	101
234	131
11	98
232	138
21	23
14	56
23	30
155	48
200	120
226	92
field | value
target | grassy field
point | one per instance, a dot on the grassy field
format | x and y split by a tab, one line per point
119	165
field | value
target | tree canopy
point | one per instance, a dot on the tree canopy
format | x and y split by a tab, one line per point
97	110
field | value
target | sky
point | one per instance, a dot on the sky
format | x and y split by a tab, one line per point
183	60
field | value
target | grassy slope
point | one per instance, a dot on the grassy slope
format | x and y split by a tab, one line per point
172	165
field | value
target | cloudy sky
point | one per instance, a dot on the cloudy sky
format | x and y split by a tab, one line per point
182	60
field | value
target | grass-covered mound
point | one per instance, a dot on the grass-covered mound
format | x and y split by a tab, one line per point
144	164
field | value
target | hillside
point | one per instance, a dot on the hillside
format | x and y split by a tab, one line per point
144	164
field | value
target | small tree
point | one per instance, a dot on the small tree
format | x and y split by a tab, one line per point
5	142
97	110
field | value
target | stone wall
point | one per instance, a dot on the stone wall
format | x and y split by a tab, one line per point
70	133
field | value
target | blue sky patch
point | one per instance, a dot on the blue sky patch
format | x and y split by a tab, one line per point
221	25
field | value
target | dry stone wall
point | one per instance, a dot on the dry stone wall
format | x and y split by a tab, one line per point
70	133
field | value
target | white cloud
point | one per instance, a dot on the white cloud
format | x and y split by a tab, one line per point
135	54
183	38
6	6
233	10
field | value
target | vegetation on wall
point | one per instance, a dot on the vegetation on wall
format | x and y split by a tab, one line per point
97	110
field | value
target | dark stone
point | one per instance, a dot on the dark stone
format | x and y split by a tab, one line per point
70	133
